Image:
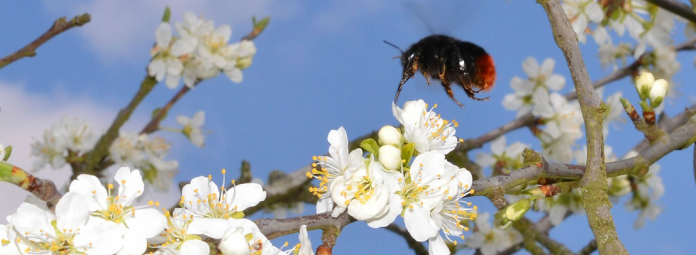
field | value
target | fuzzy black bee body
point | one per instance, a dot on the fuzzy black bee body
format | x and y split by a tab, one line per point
449	60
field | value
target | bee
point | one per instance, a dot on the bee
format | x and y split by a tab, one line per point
449	60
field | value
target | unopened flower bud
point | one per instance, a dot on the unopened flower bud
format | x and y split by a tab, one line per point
234	243
517	210
390	157
658	91
389	135
643	84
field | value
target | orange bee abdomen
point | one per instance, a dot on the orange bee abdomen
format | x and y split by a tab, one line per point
485	72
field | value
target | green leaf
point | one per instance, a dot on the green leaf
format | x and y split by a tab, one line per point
167	15
371	146
262	24
407	152
8	152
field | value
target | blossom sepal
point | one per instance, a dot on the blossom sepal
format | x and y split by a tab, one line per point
371	146
7	151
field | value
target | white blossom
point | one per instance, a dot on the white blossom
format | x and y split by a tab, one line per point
425	128
433	181
70	230
138	223
532	94
192	127
67	136
212	206
509	156
339	163
367	194
562	130
580	13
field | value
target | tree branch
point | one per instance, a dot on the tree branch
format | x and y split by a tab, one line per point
638	165
59	26
101	148
678	8
273	228
44	189
594	181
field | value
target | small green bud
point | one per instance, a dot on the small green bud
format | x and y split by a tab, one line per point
517	210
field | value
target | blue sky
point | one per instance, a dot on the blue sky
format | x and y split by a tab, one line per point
320	65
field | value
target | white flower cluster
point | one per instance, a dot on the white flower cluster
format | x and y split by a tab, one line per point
648	26
426	190
91	219
139	151
69	138
532	94
508	158
199	52
563	120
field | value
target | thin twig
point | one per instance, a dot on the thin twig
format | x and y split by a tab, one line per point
589	248
59	26
153	125
677	8
417	247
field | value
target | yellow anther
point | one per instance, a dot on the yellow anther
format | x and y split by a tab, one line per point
224	171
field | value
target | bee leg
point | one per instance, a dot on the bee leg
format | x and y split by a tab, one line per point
406	77
427	77
443	68
448	89
470	92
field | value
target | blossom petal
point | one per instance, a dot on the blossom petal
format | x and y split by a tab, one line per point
437	245
245	195
531	67
419	224
214	228
325	204
195	247
72	211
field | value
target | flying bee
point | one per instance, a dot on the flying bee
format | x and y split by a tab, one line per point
449	60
